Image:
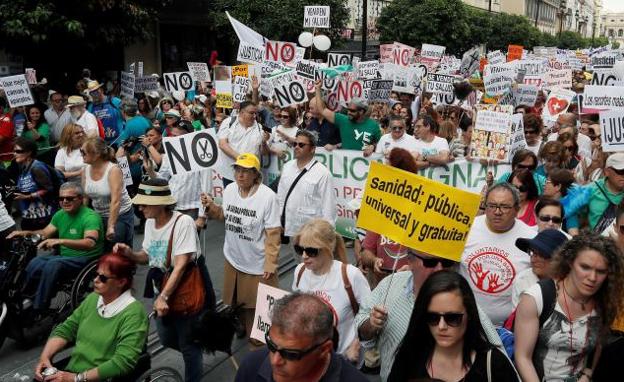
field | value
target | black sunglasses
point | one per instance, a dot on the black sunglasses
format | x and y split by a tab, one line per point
67	198
103	278
290	354
622	230
310	251
301	144
522	188
523	166
433	262
451	319
547	218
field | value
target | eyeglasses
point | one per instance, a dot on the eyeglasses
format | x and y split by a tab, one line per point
352	110
396	127
103	278
433	261
290	354
57	100
622	230
526	167
548	218
301	144
244	170
308	117
310	251
522	188
19	151
569	148
251	112
451	319
285	116
503	207
67	198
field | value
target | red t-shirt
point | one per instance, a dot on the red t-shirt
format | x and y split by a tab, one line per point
6	131
385	249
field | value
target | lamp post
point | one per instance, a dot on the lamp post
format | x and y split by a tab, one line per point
364	28
593	31
561	14
537	12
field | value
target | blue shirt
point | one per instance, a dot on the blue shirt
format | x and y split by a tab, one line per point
110	115
328	133
135	127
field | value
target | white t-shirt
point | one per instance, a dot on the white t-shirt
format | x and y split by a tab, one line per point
387	143
185	239
277	142
71	161
242	140
246	220
535	149
524	281
434	147
491	262
88	122
330	287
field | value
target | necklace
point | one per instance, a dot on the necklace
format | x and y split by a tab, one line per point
578	301
570	318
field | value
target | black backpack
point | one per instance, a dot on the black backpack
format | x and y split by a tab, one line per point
56	177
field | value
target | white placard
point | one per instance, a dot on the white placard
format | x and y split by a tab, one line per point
604	77
496	57
240	88
432	51
557	103
287	90
612	130
603	97
17	90
191	152
177	81
367	70
558	79
123	164
440	84
518	142
267	295
525	95
199	71
279	51
402	54
493	121
126	85
306	69
337	59
498	78
145	84
316	16
250	53
139	72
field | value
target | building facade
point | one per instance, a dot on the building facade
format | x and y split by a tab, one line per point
613	27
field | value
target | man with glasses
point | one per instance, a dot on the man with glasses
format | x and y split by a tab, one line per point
300	345
57	116
396	138
105	108
306	189
80	239
491	261
385	314
357	130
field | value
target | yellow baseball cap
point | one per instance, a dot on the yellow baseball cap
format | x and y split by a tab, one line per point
248	160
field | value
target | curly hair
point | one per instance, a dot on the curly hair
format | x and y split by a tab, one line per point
610	296
401	158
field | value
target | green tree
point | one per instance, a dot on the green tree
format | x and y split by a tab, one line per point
598	41
512	29
572	40
615	45
546	39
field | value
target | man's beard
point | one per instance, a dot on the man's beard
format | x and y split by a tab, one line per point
76	114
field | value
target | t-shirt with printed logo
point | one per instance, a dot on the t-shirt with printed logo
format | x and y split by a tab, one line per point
156	240
355	136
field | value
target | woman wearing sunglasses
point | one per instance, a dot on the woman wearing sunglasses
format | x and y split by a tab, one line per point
524	159
445	339
320	274
109	329
523	180
283	136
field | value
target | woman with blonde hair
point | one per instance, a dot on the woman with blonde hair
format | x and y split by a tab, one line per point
103	183
324	272
68	158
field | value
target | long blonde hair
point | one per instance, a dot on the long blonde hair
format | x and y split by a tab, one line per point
97	146
323	235
67	134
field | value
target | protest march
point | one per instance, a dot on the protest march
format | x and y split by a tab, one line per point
448	217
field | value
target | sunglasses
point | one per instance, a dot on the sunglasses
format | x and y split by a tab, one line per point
622	230
433	262
104	278
284	116
548	218
522	188
352	110
290	354
526	167
451	319
301	144
310	251
67	198
530	131
19	151
397	128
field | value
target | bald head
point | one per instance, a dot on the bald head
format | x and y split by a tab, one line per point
303	315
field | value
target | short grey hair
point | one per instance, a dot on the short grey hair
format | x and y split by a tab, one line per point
131	108
506	187
72	186
303	314
311	135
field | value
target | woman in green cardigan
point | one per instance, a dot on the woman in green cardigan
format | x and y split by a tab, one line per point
109	328
38	130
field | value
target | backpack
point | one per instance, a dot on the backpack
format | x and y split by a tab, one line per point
56	177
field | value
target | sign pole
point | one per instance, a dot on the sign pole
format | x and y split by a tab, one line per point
364	27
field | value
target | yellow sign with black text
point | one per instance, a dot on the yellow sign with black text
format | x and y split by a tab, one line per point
417	212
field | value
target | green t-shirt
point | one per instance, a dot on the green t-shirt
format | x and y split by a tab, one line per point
43	143
74	227
598	203
355	136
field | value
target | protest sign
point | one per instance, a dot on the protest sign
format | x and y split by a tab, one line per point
126	85
131	67
604	60
449	65
199	71
406	79
267	295
440	83
402	54
558	79
367	70
16	90
380	91
498	78
178	81
612	130
124	166
348	90
490	137
431	51
250	53
604	97
525	95
338	59
191	152
514	52
327	83
31	76
306	69
533	67
496	57
240	71
279	51
557	103
417	212
287	90
316	16
469	62
139	72
604	77
145	84
518	142
385	53
240	89
223	86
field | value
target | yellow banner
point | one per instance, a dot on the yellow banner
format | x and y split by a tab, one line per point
240	70
224	100
417	212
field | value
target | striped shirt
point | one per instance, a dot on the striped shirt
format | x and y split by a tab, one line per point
186	187
399	303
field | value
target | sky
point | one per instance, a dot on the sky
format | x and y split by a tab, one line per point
613	5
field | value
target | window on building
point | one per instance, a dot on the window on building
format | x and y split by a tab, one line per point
611	33
621	33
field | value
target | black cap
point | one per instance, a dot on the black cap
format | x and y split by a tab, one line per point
546	242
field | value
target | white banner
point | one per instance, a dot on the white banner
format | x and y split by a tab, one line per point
316	16
603	97
250	53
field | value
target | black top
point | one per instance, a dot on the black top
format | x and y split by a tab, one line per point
256	367
328	132
502	370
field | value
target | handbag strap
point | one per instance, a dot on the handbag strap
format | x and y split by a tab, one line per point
347	285
170	244
290	190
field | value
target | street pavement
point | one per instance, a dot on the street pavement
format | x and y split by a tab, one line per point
17	363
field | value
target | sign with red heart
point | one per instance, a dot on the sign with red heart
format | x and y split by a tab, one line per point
557	103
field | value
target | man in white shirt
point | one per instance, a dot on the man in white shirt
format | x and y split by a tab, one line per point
396	138
491	261
431	150
313	195
57	116
81	116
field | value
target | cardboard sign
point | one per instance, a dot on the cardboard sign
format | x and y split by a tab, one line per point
316	16
199	71
402	54
406	79
368	70
191	152
287	90
126	85
347	90
279	51
432	51
250	53
240	71
327	83
469	62
416	212
604	77
525	95
498	78
557	103
558	79
532	67
306	69
496	57
240	89
17	91
223	86
338	59
514	52
178	81
490	137
123	164
440	84
145	84
612	130
31	76
603	97
604	60
380	91
267	295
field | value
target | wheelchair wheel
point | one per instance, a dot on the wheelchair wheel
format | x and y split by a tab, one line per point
161	374
83	284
